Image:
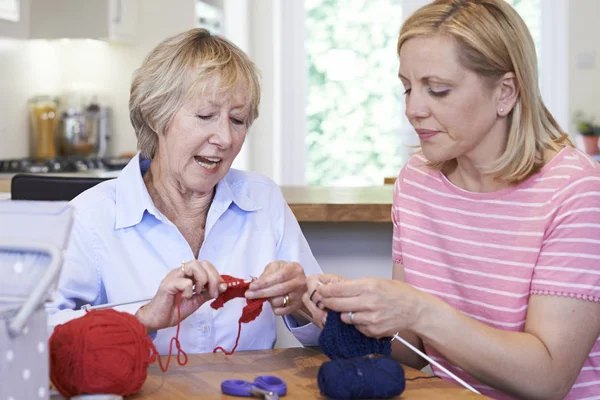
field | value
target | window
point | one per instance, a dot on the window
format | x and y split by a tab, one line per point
354	106
531	13
356	131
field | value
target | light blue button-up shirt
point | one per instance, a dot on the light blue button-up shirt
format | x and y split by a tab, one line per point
122	246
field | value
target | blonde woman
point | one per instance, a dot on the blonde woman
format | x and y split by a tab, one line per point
496	245
192	102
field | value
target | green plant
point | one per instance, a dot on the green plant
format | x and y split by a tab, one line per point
586	125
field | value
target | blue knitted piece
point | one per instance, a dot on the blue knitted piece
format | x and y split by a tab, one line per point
361	378
340	340
361	367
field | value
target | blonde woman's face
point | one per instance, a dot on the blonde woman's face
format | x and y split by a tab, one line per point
205	136
451	108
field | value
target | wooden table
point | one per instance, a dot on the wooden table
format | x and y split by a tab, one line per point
201	377
340	204
4	185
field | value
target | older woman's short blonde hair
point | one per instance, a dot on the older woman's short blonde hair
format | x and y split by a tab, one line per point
180	68
492	40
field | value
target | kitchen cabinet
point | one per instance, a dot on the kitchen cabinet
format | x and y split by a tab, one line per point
111	20
14	19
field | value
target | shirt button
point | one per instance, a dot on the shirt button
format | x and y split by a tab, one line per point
206	328
18	267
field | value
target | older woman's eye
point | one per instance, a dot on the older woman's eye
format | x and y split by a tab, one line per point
237	121
407	92
205	117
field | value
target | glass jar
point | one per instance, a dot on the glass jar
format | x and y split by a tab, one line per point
43	119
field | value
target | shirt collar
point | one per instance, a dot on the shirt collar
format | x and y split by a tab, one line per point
133	199
232	190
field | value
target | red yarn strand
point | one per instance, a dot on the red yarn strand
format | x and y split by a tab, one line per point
175	340
237	288
237	339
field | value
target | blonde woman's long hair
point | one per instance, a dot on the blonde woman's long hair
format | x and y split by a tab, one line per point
493	40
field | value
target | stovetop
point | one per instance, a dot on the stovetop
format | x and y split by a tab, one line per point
62	164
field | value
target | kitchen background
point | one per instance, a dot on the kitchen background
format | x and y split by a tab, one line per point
310	52
331	111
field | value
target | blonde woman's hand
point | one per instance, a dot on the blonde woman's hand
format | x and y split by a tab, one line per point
312	298
377	307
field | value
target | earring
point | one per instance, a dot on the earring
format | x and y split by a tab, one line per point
501	110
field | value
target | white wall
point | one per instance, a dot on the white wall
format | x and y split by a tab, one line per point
25	69
584	58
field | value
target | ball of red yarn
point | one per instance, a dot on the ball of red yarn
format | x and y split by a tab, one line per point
105	351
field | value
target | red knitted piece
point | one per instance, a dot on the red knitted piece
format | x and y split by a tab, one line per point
249	313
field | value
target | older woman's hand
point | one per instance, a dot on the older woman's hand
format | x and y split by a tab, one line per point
161	311
377	307
283	283
312	298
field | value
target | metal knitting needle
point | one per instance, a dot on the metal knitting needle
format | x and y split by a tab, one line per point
305	315
88	307
426	357
431	361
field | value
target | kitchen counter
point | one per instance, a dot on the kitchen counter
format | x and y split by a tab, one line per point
340	204
310	203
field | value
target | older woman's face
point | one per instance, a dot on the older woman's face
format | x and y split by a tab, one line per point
205	136
452	109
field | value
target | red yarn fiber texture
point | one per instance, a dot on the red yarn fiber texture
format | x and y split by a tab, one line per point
252	309
105	351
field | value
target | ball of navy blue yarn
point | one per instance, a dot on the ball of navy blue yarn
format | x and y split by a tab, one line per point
361	378
340	340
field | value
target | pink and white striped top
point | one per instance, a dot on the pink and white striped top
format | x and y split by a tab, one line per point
486	253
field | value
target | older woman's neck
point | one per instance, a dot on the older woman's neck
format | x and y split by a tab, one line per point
174	201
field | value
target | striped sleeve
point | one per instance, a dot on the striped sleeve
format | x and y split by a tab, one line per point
396	244
569	261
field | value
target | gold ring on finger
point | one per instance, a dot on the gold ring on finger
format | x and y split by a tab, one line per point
183	267
286	300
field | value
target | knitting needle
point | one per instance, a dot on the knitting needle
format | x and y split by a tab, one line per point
88	307
430	360
305	315
426	357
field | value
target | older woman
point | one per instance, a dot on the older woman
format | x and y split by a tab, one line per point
496	242
192	102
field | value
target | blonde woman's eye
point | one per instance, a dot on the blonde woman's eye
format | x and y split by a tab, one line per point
204	117
237	121
439	92
407	92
